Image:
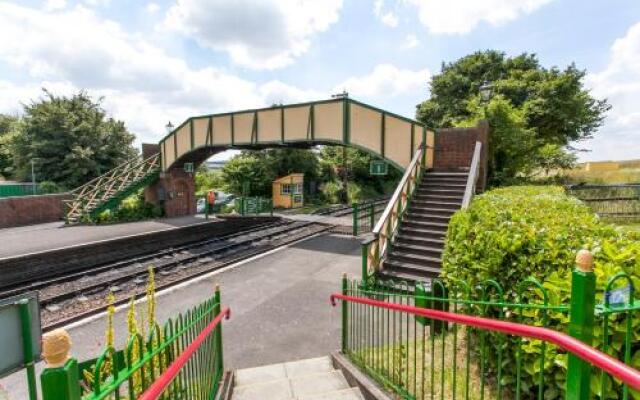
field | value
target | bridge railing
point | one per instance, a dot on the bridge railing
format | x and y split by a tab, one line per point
181	360
375	248
450	341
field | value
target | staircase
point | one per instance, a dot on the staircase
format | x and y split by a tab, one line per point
108	190
311	379
416	253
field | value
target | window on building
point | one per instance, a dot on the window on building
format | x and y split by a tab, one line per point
285	188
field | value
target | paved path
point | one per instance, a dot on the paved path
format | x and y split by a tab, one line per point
35	238
279	303
345	220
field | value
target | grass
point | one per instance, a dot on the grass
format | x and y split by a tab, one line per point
426	369
623	175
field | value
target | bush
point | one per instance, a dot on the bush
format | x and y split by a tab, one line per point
48	187
511	234
133	208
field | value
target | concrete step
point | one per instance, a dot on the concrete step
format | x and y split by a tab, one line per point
418	260
426	216
298	380
419	241
441	191
426	209
439	197
409	271
449	205
431	251
429	225
421	233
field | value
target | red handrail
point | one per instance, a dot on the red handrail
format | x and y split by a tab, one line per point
625	373
155	390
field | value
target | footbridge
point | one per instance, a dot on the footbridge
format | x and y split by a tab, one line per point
342	121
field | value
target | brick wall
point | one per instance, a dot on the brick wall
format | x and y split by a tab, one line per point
454	148
174	191
28	210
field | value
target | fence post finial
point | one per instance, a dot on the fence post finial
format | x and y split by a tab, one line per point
56	346
584	261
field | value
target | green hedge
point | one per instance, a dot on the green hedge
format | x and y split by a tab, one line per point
511	234
133	208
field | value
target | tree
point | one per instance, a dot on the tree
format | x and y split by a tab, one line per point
8	131
250	169
552	103
70	139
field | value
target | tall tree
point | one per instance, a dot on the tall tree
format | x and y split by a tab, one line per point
8	131
552	105
70	139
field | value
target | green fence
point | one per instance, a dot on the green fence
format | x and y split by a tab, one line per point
19	189
365	214
127	373
253	205
419	358
617	202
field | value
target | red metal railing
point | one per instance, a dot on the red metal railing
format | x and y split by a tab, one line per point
163	381
625	373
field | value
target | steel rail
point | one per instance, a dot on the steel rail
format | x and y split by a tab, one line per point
625	373
163	381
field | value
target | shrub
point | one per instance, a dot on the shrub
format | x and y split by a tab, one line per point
511	234
133	208
47	187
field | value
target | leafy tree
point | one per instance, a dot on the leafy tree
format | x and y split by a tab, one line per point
71	140
206	180
553	107
246	167
8	131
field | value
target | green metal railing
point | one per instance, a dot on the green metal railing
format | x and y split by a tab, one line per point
19	189
128	373
421	358
253	205
365	214
617	202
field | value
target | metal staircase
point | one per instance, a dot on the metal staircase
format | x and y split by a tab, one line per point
108	190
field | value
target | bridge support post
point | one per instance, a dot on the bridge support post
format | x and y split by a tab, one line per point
583	298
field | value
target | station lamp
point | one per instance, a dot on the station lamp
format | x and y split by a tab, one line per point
486	90
169	127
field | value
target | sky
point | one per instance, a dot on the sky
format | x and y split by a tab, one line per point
159	61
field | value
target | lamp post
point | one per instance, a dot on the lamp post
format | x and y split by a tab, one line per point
486	90
169	127
33	174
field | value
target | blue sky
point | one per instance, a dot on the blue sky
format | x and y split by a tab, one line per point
155	61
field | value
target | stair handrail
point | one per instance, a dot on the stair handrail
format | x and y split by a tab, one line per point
157	388
472	178
375	247
93	186
616	368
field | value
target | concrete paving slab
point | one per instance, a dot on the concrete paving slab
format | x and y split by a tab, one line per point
249	376
279	302
346	394
318	383
41	237
274	390
309	366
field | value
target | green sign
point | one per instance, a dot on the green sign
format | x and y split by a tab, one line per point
378	167
188	167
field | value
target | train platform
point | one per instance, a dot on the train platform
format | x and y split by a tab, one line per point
279	304
42	237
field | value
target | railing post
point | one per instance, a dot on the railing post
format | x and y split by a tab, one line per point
218	333
345	319
364	251
60	380
355	219
582	309
27	348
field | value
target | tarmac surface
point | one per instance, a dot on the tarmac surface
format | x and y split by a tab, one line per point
42	237
279	303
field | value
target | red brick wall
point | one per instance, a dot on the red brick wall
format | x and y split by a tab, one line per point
27	210
454	148
175	191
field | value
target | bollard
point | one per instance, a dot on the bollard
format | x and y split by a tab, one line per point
582	309
60	380
355	219
345	319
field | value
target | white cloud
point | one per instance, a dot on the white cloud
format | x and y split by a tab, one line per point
55	4
411	41
152	7
462	16
386	17
386	80
619	82
260	35
142	85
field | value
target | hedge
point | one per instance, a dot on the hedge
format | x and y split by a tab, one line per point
511	234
